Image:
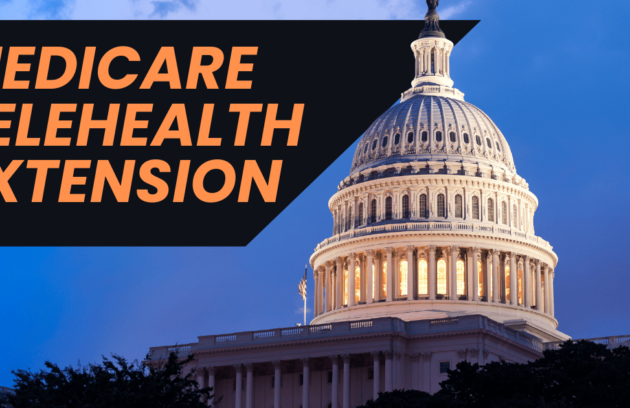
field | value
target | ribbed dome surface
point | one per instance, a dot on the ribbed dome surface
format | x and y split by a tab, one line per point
435	128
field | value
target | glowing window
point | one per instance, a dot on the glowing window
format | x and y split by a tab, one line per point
441	212
520	286
388	208
405	205
384	281
441	277
360	213
490	209
385	141
345	287
505	214
453	137
373	281
357	284
403	278
466	139
475	207
423	278
507	281
491	288
423	206
373	211
397	139
481	278
425	136
438	136
461	283
458	206
410	137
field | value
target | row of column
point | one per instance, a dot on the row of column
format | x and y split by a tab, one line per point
330	280
432	61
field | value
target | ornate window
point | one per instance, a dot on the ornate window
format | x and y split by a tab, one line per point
388	208
478	139
488	143
403	277
360	214
475	208
466	140
423	206
453	137
461	281
423	277
440	205
405	207
519	285
384	280
432	62
397	139
438	136
458	206
441	277
507	279
385	140
357	284
345	286
374	144
410	137
373	212
490	209
425	136
480	278
505	212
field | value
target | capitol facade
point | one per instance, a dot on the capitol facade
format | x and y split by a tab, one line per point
433	259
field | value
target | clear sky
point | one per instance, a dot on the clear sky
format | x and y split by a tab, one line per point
554	76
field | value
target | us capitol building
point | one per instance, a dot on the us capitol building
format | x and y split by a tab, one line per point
433	260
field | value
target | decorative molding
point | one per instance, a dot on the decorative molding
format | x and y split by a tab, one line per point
427	356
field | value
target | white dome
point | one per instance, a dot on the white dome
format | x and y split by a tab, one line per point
436	128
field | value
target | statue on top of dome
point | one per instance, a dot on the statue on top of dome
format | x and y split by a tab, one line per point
433	4
432	21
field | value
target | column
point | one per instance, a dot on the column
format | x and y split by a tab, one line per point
389	380
376	355
495	275
329	283
513	279
415	383
378	269
454	252
469	275
339	285
489	276
539	299
426	372
432	272
305	381
527	283
410	272
369	276
346	380
249	386
276	383
547	289
476	253
351	281
390	274
200	372
335	382
210	371
552	275
238	393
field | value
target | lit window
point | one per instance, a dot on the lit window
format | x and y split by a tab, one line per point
405	204
397	139
481	279
505	214
466	140
373	211
519	283
453	137
385	141
475	207
507	280
441	277
357	284
478	139
410	137
388	208
423	206
491	210
373	281
438	136
461	284
360	213
423	278
345	287
384	281
458	206
491	290
425	136
444	367
403	278
441	212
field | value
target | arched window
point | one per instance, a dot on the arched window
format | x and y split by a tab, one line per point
475	207
384	281
466	139
357	284
423	277
432	62
345	286
373	212
458	206
507	279
405	207
349	221
498	147
488	143
440	205
423	206
438	136
397	139
505	214
480	278
388	208
425	136
490	209
461	281
453	137
519	284
385	140
360	214
402	277
374	144
514	221
410	137
441	277
478	139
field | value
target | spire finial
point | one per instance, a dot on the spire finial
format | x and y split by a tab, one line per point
432	21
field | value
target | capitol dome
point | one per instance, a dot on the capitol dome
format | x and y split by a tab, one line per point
433	221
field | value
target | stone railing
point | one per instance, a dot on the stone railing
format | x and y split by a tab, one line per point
610	342
383	325
439	227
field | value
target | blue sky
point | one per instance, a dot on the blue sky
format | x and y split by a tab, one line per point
554	76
